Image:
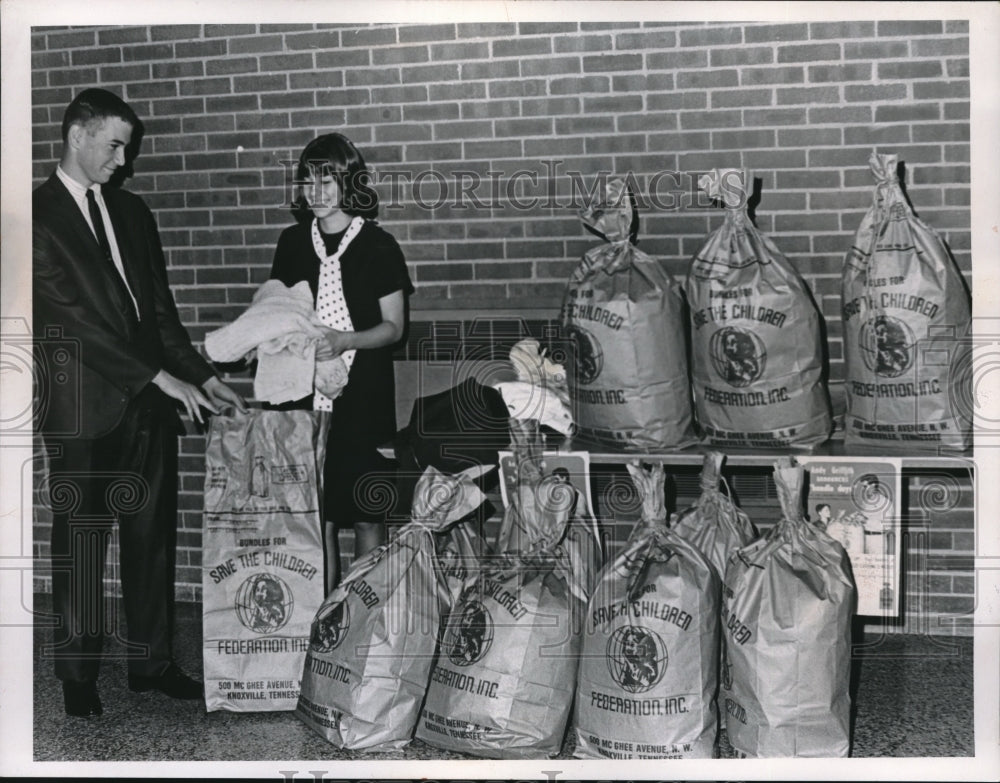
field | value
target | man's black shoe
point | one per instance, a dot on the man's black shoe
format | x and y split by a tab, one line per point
81	699
173	682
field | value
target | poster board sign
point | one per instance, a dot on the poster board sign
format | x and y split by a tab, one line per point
856	500
571	467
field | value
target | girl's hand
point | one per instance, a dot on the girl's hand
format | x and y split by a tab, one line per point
332	344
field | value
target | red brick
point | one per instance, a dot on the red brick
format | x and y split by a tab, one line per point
957	111
155	89
579	85
229	30
462	91
217	86
677	100
614	104
505	69
764	117
642	121
875	50
367	37
523	127
958	67
742	139
442	272
878	134
550	106
96	56
70	40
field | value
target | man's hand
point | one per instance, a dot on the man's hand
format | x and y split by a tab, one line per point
187	394
223	395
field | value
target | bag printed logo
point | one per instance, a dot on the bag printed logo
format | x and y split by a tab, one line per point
738	356
589	356
264	603
331	629
637	658
470	636
886	346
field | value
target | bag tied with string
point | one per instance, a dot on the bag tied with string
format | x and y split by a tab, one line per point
627	320
907	315
648	672
757	349
715	524
502	686
787	604
373	639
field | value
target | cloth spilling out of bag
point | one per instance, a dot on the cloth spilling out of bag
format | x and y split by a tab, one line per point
541	390
262	555
281	325
757	347
627	321
373	639
648	667
503	682
907	316
714	524
787	604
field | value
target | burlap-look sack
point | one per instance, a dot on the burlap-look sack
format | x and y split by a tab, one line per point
262	555
373	639
627	320
907	314
787	604
648	668
757	353
503	682
714	524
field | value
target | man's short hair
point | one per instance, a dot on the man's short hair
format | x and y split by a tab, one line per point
97	104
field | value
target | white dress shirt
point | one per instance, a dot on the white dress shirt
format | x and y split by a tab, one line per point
79	194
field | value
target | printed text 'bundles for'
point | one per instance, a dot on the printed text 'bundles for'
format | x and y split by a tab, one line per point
787	603
906	316
757	352
373	639
262	555
626	319
648	667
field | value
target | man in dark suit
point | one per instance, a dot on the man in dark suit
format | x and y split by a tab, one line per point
106	324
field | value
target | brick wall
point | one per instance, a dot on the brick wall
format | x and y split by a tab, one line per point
483	137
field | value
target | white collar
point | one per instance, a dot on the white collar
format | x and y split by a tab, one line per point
76	189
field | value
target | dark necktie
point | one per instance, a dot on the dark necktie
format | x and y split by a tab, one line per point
102	239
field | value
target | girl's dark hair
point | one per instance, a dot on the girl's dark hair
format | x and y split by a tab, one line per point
334	154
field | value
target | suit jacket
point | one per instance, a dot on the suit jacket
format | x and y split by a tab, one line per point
95	357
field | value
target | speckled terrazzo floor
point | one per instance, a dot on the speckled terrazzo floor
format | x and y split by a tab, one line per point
914	697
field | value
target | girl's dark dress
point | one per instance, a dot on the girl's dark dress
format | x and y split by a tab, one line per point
364	415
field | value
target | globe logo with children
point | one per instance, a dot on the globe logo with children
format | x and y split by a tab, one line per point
330	628
738	355
887	346
589	356
264	603
469	634
637	658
